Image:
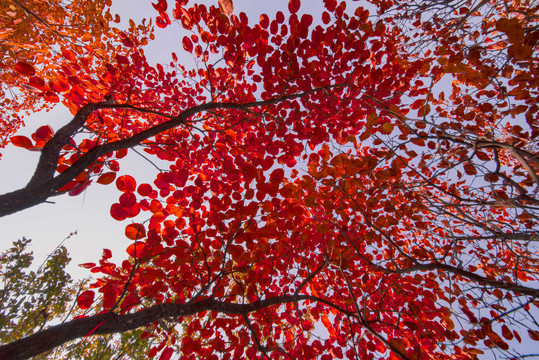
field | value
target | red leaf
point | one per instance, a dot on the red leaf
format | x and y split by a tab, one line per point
137	248
126	183
128	200
69	55
293	6
43	133
135	231
122	60
79	189
109	296
70	185
277	176
118	212
417	104
106	178
86	299
37	83
127	42
132	211
128	302
166	354
534	335
24	68
506	332
198	51
144	189
59	85
21	141
121	153
326	17
187	44
162	20
152	352
264	21
160	6
469	314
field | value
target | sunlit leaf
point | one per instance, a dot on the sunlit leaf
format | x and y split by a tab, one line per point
135	231
226	6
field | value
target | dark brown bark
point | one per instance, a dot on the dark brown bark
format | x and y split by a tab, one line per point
109	323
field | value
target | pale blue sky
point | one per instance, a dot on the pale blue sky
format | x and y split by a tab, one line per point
88	213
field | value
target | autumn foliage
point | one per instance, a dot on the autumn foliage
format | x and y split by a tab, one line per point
361	184
45	50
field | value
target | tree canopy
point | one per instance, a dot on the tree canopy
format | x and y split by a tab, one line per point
360	184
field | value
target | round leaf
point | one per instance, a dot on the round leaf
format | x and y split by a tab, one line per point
126	183
86	299
135	231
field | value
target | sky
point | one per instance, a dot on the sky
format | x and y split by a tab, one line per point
88	214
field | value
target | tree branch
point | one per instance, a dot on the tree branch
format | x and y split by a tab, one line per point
524	290
110	323
44	184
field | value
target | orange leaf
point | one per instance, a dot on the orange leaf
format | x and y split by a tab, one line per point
135	231
69	55
328	325
398	344
137	249
423	111
387	127
226	6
